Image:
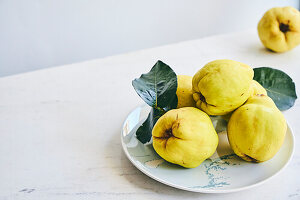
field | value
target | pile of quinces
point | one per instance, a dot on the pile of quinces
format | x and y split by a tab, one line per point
256	127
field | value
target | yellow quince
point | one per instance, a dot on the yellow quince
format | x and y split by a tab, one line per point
257	88
185	91
257	129
279	29
185	136
221	86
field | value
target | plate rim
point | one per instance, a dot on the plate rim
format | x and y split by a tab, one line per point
201	190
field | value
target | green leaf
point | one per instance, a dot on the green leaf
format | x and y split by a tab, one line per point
144	132
280	87
158	89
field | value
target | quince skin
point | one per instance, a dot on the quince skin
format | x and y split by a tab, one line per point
185	91
257	88
221	86
185	136
257	129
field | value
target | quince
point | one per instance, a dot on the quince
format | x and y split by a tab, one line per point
185	91
221	86
279	29
185	136
257	88
257	129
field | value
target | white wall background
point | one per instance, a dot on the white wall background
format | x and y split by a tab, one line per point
36	34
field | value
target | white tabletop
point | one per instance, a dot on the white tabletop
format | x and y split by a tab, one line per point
60	127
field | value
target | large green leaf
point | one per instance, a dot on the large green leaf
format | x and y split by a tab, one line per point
158	89
280	87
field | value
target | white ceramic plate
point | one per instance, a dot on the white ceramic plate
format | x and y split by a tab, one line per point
222	172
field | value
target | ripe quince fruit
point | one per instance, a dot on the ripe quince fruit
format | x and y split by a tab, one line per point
257	88
257	129
279	29
221	86
185	136
185	91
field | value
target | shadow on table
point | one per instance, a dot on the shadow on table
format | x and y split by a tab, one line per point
259	49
